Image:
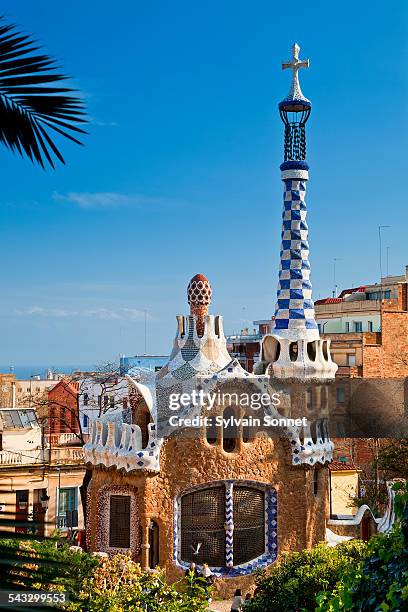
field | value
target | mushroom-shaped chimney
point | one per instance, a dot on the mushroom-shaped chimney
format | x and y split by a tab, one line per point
199	298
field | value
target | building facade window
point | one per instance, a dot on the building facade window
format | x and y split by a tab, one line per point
85	420
370	326
347	326
351	360
211	432
119	521
358	326
227	524
86	399
340	395
67	507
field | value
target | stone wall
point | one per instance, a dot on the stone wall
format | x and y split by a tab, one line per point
187	462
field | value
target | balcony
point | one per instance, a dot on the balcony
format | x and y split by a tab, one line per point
62	439
24	457
69	455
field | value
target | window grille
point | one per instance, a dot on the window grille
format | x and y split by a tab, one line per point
249	524
203	517
202	520
119	521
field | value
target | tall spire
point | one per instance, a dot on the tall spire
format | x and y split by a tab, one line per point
294	315
294	347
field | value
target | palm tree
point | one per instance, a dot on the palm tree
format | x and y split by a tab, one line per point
31	105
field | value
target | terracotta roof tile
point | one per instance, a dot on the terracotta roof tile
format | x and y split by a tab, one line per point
338	466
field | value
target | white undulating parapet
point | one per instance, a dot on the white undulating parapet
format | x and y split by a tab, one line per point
113	443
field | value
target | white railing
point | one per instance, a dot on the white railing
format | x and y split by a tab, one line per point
24	457
59	456
67	455
62	439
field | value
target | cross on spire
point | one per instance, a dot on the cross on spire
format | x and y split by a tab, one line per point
295	93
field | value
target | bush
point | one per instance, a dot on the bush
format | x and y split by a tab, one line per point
293	583
43	565
120	585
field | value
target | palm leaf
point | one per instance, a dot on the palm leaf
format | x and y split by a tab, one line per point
33	108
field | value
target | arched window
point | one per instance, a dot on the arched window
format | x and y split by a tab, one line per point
311	350
211	433
141	416
293	351
230	431
204	519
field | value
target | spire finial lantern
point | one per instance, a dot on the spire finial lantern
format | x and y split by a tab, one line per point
295	111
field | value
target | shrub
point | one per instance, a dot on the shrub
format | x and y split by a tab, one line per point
120	585
292	584
43	565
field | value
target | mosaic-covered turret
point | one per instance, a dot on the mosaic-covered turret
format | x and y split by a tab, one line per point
200	346
294	349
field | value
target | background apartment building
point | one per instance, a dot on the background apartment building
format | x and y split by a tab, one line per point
39	481
368	328
43	426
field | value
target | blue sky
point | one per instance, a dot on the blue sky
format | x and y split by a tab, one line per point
180	171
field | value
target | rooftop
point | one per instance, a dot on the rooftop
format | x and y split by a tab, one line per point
339	466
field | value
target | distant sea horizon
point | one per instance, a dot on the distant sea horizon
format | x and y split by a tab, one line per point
24	372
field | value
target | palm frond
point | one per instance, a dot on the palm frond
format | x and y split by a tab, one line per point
33	108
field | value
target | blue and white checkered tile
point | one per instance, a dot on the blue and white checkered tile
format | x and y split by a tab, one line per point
294	308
